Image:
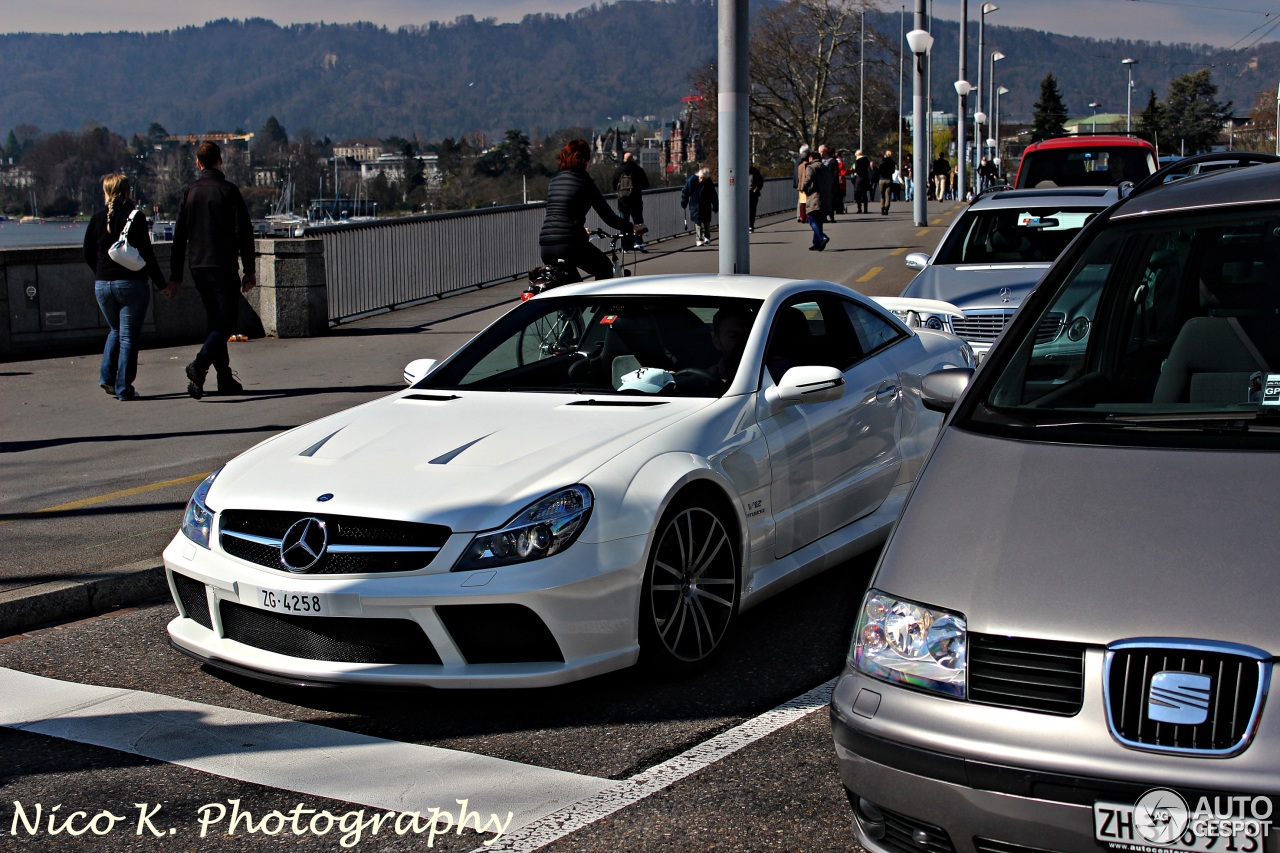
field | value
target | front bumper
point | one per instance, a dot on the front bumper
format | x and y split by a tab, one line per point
551	621
980	778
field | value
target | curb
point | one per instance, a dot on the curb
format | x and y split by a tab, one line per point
58	601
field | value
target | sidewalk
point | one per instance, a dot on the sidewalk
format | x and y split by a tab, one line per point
94	488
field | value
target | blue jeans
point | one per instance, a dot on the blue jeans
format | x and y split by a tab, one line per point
815	222
124	305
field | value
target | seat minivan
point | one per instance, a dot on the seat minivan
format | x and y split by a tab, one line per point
1069	640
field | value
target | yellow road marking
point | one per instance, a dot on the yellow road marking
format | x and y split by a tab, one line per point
899	250
870	274
937	221
922	232
123	493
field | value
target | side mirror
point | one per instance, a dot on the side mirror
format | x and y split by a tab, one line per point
940	389
810	384
417	369
916	261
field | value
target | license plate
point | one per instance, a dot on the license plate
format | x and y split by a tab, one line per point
295	603
1114	823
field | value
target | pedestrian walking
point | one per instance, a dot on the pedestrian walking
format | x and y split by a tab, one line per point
755	186
213	233
819	188
908	182
797	178
827	155
122	293
941	175
699	198
843	173
629	181
861	181
886	170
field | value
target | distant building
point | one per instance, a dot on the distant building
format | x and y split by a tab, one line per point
360	150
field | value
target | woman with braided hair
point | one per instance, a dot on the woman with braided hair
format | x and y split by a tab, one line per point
122	293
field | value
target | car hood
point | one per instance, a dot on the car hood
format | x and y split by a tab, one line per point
468	460
973	286
1091	544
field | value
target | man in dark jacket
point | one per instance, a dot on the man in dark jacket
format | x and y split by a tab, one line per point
212	234
885	170
755	186
698	196
629	180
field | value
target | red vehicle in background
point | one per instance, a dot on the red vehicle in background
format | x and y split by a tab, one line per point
1085	161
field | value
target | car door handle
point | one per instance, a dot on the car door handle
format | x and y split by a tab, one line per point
886	391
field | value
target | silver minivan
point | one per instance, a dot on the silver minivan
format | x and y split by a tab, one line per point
1069	640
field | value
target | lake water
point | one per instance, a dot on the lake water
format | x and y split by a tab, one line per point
21	235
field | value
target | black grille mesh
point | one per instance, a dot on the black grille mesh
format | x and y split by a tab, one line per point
1233	693
1033	675
986	845
328	638
499	633
342	530
194	601
909	835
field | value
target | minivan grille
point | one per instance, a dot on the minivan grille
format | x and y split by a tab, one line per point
1046	676
904	834
355	545
1229	707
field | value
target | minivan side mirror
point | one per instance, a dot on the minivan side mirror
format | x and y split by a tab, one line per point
417	369
940	389
916	261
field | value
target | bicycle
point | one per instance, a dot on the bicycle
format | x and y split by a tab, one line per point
561	272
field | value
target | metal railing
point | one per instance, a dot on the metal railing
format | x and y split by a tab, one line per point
394	263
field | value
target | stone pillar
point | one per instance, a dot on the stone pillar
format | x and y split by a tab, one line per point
291	298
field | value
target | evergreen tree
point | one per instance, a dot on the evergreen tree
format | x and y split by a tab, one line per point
1151	123
1194	119
1051	112
12	147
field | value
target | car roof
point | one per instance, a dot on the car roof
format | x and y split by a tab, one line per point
739	286
1099	197
1089	141
1218	188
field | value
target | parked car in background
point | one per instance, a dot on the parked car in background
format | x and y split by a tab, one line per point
611	470
1070	638
1085	161
994	253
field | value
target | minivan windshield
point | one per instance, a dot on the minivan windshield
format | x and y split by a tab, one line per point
1162	324
1085	166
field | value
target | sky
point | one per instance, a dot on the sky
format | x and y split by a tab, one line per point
1224	23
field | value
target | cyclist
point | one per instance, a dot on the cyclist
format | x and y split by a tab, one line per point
564	241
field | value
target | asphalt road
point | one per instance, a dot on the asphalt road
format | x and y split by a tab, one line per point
95	487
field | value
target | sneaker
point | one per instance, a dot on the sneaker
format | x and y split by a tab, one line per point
640	247
129	394
105	387
697	242
228	384
815	248
823	245
195	380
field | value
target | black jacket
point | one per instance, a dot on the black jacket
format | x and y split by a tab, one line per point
213	228
569	196
97	241
639	178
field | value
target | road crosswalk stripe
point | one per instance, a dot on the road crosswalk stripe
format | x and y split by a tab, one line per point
292	756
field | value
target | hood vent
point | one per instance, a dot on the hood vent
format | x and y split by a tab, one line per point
619	403
434	398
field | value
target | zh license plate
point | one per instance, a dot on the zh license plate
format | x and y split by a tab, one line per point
1119	825
296	603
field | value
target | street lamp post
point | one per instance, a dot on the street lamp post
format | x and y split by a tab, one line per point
962	89
1128	108
920	42
996	123
995	57
978	115
1093	105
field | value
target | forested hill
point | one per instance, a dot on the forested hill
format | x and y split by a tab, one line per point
546	72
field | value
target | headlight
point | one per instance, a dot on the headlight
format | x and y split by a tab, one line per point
197	521
924	320
908	643
545	527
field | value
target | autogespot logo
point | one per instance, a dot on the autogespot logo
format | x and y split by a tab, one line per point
303	544
1160	816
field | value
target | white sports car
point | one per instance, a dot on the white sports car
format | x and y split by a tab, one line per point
611	471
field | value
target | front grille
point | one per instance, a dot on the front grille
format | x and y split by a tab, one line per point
192	598
328	638
355	546
986	845
981	326
1050	327
499	633
1233	699
909	835
1032	675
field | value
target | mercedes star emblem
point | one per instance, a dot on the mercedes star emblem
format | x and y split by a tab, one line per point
303	544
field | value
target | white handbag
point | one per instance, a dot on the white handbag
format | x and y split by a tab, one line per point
123	252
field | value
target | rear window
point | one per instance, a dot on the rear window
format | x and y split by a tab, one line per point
1084	166
1013	235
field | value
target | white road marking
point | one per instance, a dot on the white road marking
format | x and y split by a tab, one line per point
291	756
619	795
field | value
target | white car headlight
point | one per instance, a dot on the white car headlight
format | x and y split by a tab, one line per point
545	527
197	521
911	644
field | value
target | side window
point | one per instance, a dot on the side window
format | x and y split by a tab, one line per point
797	337
870	331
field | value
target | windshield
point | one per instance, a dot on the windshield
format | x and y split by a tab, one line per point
1085	166
1013	235
638	345
1163	324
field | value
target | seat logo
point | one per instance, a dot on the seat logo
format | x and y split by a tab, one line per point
1181	698
303	544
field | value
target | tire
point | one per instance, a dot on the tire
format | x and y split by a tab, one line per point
551	334
689	597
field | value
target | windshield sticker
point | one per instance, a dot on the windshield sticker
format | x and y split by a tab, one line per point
1271	390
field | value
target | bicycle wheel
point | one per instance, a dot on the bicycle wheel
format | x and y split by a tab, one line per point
549	335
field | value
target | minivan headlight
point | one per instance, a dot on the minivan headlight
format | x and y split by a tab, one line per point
545	527
197	521
908	643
